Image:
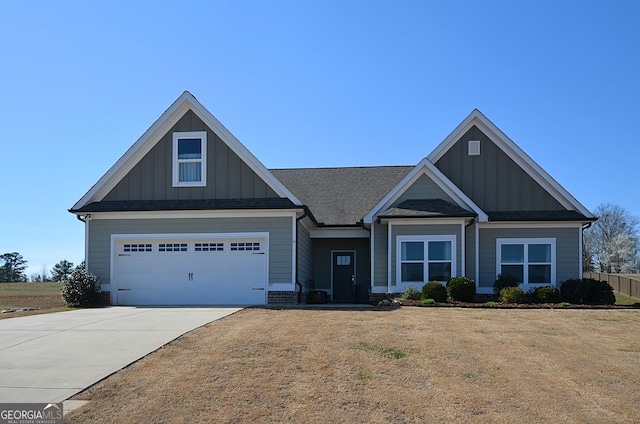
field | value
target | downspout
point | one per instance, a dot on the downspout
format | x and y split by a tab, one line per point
370	230
85	219
463	253
303	216
584	227
473	221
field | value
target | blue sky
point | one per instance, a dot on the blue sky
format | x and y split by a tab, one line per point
309	84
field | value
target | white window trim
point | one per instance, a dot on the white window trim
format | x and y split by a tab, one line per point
425	239
526	241
202	135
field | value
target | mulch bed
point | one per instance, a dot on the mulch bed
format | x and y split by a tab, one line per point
456	304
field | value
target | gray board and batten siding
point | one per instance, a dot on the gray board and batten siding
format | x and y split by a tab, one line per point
492	179
279	229
228	177
423	188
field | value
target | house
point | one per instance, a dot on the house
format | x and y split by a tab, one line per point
189	216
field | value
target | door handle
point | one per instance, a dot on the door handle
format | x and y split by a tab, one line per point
353	280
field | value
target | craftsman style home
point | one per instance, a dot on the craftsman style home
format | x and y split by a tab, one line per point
189	216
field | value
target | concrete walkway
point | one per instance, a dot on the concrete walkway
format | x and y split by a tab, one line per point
51	357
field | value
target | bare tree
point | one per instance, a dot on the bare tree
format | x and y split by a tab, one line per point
611	243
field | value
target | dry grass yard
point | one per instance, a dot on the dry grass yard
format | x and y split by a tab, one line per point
35	298
408	365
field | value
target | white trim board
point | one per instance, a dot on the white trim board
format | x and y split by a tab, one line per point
511	149
159	128
425	167
231	213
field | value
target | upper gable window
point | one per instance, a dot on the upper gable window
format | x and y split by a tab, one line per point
190	159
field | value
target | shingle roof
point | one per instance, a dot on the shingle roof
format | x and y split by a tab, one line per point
341	196
426	208
163	205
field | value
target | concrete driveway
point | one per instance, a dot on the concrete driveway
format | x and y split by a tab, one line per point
51	357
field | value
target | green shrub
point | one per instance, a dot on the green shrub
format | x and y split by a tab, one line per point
545	294
428	301
434	290
512	295
589	291
411	294
462	289
599	293
81	289
504	280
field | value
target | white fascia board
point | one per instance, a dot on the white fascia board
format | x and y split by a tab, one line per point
320	233
136	152
241	213
240	149
426	167
530	224
511	149
430	221
159	128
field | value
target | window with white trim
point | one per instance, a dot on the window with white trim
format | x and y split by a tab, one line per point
531	261
190	159
425	258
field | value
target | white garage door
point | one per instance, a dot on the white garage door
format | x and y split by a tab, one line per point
180	271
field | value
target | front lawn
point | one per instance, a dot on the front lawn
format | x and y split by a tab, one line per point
400	365
37	298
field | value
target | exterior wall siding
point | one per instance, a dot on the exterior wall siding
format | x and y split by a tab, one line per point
228	177
424	188
567	250
470	252
305	262
322	249
380	255
424	229
492	179
279	229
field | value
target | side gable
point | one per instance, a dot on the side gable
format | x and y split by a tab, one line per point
425	181
128	178
502	177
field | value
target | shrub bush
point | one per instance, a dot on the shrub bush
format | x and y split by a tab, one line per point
512	295
572	291
434	290
428	301
545	294
589	291
503	281
462	289
411	294
81	289
599	293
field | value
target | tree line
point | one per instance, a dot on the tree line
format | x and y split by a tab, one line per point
612	243
13	269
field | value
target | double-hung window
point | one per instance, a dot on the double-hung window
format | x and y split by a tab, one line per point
530	261
425	258
190	159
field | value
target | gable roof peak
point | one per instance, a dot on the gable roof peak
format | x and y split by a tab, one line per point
158	129
511	149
